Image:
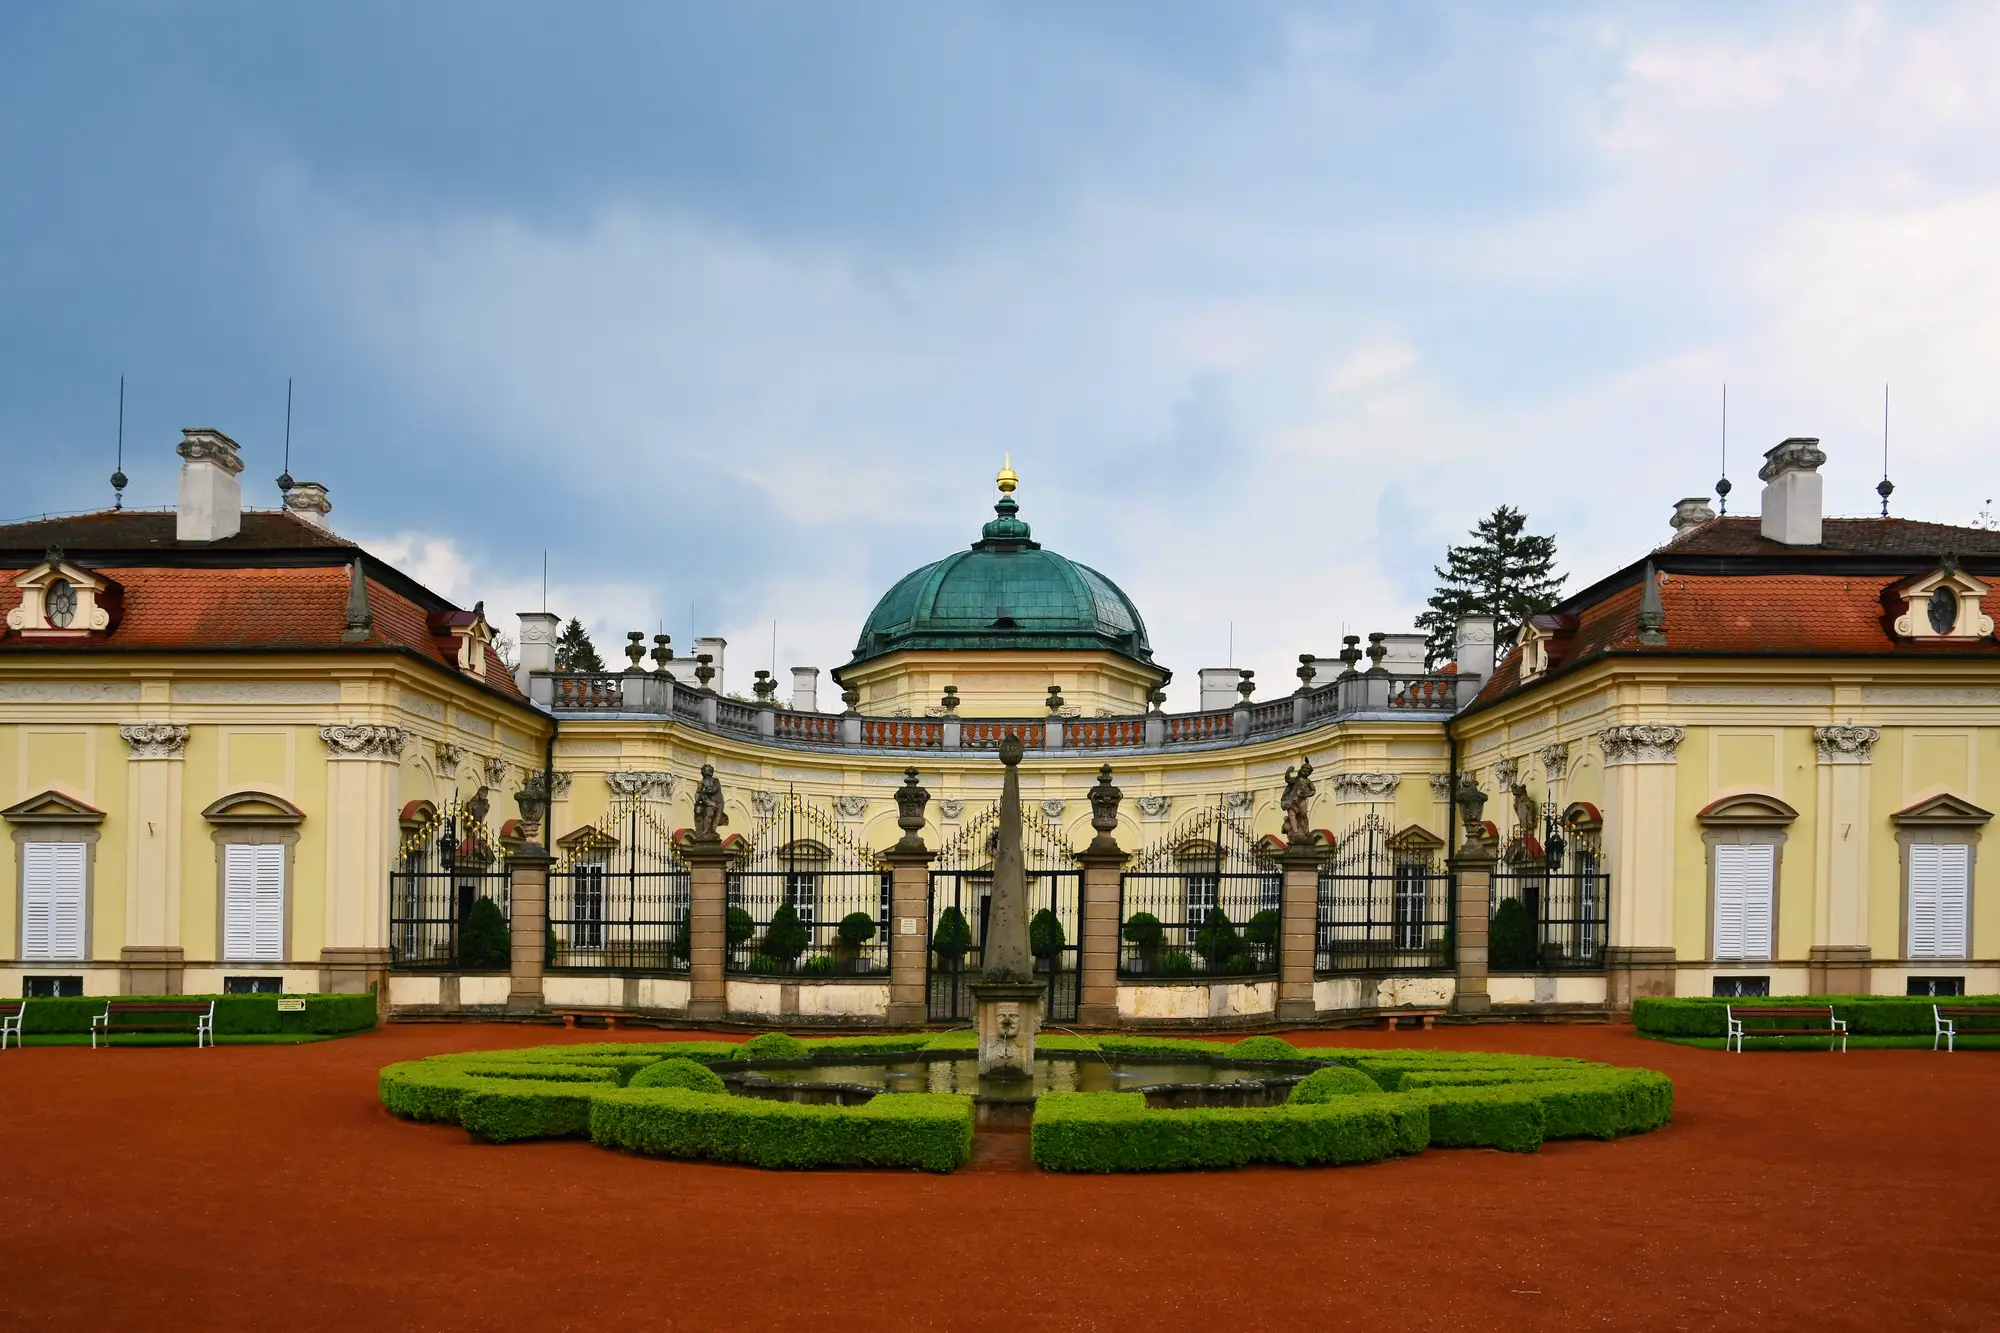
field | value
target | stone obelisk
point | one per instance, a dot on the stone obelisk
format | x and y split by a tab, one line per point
1007	998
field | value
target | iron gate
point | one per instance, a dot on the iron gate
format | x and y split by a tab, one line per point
618	899
1202	901
961	895
808	900
1551	906
442	873
1384	902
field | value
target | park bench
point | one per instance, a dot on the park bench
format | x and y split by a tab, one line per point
1963	1020
11	1023
1783	1020
155	1016
570	1013
1429	1016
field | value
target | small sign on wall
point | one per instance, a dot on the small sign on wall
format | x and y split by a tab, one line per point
291	1004
906	925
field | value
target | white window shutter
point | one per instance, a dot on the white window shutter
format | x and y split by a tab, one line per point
253	912
52	900
1743	891
1940	885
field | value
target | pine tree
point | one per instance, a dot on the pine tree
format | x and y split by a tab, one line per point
1504	573
574	651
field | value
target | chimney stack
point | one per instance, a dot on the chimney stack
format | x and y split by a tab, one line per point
805	689
1691	512
1792	492
211	499
307	500
1472	648
537	646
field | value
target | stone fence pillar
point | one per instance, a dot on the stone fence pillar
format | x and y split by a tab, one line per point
1298	930
1099	925
528	914
708	876
909	934
1472	878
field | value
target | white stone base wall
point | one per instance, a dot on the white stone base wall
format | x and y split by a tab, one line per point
809	999
669	993
1336	994
1219	999
763	998
486	991
1546	989
596	991
407	992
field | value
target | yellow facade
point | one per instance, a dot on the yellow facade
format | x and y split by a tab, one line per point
1013	683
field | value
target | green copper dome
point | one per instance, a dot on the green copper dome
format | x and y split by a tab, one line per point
1005	592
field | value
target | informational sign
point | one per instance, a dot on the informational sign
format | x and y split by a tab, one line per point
907	925
291	1004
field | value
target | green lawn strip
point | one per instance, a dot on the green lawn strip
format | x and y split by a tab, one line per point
178	1038
924	1130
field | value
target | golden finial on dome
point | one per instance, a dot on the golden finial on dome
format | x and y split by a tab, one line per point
1007	480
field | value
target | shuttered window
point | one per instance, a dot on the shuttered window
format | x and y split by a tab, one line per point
253	902
52	900
1744	879
1940	883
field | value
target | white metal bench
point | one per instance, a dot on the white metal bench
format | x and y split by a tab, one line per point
133	1016
11	1023
1979	1020
1783	1020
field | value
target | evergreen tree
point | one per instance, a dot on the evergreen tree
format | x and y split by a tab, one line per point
1505	573
574	651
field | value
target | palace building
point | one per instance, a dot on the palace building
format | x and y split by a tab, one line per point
239	752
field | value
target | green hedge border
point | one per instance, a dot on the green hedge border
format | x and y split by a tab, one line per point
1397	1102
1865	1015
235	1015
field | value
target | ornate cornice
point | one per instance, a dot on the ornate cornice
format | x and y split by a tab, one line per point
951	807
1054	806
496	773
1846	745
1371	787
362	740
1440	786
1506	772
155	740
764	804
1238	801
850	807
1155	807
1555	760
1641	743
643	783
449	757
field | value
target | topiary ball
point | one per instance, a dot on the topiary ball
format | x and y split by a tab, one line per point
772	1046
678	1072
1266	1048
1323	1085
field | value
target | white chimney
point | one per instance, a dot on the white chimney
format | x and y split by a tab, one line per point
1792	492
1218	687
211	499
805	689
1472	646
537	645
1691	512
1406	654
307	499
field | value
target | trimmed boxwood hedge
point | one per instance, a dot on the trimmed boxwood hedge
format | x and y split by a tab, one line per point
235	1015
1866	1015
1359	1106
679	1072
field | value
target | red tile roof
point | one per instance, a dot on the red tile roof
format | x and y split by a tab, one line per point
153	530
1743	535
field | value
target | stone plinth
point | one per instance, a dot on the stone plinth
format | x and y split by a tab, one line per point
708	878
528	911
1470	921
1007	1016
1298	932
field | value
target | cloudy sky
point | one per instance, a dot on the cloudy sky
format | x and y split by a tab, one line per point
736	309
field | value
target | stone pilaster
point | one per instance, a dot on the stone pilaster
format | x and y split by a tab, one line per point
1097	919
1472	877
1840	953
528	910
361	841
1298	930
1640	821
153	950
909	934
708	876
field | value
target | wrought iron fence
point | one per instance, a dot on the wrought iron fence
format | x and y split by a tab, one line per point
1551	906
1384	902
961	894
1203	901
618	898
808	901
442	874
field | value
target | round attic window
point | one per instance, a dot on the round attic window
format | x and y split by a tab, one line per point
61	603
1943	608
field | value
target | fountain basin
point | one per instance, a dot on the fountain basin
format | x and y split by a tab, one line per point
1009	1104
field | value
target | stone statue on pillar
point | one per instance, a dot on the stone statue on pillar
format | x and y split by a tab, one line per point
1297	801
910	802
708	812
1104	800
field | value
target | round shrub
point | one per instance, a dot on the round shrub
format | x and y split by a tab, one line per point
786	937
1144	930
1045	935
1323	1085
857	928
1264	927
1266	1048
772	1046
952	937
738	928
485	941
678	1072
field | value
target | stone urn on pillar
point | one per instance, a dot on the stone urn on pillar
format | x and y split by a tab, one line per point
1007	1000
